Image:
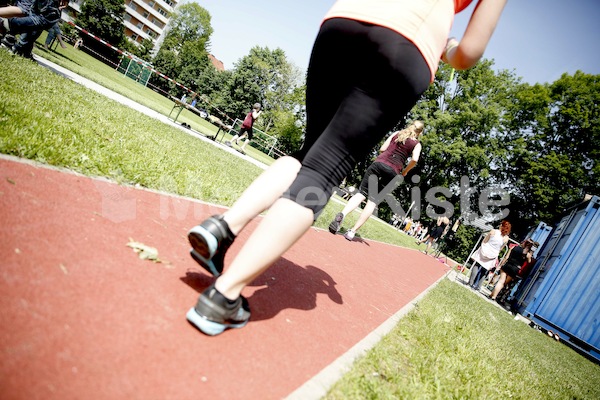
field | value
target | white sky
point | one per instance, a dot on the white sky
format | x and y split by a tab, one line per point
538	39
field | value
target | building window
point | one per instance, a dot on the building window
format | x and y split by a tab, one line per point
162	12
134	37
140	25
158	23
145	14
150	4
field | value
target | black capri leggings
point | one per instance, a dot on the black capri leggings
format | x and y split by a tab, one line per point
362	80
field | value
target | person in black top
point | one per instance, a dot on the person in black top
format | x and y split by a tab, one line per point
511	265
435	233
392	162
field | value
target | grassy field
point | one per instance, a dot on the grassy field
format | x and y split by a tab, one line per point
453	345
83	64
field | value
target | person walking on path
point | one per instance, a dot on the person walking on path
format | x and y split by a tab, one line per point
486	256
370	63
436	232
246	131
512	264
395	151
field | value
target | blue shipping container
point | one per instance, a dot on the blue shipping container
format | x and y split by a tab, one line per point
562	293
540	234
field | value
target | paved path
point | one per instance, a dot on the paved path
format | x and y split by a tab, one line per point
83	317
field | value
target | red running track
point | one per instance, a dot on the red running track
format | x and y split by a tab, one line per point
83	317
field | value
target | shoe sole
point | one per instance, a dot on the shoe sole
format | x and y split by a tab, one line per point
204	246
334	227
207	327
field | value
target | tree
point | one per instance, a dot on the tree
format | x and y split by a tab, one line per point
183	54
103	18
556	159
142	50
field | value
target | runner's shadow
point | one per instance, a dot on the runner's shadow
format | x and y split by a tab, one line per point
358	239
284	285
355	239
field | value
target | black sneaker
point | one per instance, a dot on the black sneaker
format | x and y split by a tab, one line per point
334	226
8	41
210	241
213	313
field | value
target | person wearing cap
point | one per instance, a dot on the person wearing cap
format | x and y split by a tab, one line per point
246	131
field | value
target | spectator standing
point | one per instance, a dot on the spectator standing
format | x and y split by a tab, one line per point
486	256
517	258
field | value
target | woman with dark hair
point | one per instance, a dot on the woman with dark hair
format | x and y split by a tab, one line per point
486	255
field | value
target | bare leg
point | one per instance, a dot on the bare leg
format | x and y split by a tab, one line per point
364	215
262	193
283	225
353	203
234	139
241	137
499	285
430	241
244	145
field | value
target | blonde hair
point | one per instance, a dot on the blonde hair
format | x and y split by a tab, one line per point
414	130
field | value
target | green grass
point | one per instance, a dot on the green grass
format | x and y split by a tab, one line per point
47	118
453	345
85	65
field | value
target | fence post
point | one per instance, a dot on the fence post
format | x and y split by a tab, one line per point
272	147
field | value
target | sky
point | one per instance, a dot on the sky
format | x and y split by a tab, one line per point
537	39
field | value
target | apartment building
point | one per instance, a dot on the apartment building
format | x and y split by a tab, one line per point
143	19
